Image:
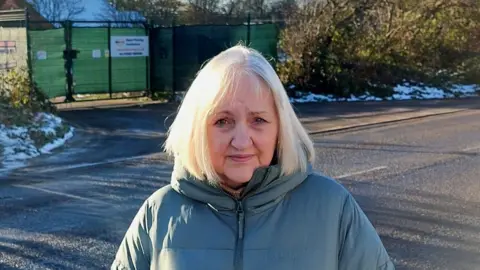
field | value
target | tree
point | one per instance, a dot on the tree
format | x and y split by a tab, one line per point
259	10
283	9
162	12
206	11
58	10
345	47
110	13
200	12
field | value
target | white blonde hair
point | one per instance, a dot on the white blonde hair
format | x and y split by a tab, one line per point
187	136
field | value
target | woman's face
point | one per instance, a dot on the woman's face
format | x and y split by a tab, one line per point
243	131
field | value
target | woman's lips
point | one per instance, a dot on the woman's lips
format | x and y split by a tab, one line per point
241	158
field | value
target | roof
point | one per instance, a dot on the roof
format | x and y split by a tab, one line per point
13	10
12	15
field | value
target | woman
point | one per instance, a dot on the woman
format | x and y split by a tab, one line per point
243	194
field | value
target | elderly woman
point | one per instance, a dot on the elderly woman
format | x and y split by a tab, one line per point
243	194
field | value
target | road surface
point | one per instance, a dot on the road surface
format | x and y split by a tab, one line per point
418	182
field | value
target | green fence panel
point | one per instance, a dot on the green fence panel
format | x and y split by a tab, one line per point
90	69
162	59
129	73
47	61
195	45
264	38
179	61
189	41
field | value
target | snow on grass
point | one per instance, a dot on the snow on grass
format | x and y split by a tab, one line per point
52	124
405	92
401	92
466	90
310	97
19	143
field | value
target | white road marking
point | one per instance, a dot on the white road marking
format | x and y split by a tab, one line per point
63	194
361	172
92	164
472	148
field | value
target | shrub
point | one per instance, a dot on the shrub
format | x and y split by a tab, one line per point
17	91
349	47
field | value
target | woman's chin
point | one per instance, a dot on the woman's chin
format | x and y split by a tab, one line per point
235	180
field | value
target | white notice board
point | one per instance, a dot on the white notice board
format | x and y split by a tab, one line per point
129	46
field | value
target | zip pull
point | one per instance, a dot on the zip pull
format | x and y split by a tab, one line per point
238	259
240	219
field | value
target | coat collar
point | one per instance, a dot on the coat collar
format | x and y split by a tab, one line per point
265	189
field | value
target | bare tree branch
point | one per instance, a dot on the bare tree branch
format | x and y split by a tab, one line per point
160	11
59	10
110	13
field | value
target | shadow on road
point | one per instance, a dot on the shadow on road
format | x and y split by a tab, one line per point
43	254
395	149
106	133
422	230
61	224
112	117
337	110
74	219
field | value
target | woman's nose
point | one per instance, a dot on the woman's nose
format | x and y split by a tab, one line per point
241	137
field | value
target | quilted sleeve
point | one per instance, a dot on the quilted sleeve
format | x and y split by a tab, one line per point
136	247
360	245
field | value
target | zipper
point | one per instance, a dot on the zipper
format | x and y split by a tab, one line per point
238	259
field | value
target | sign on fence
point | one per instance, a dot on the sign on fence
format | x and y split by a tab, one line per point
96	53
8	65
41	55
129	46
8	46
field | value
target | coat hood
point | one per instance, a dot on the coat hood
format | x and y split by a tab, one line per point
266	188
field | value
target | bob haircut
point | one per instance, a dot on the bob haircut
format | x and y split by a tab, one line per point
187	136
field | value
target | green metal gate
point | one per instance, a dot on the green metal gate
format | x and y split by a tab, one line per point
95	72
89	69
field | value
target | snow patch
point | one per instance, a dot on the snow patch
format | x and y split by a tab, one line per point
18	147
46	149
401	92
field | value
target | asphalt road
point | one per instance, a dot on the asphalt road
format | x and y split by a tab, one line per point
418	182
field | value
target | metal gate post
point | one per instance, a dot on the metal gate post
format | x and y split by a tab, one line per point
29	56
248	30
109	33
174	69
148	61
67	54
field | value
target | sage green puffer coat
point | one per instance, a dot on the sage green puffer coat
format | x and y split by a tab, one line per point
303	221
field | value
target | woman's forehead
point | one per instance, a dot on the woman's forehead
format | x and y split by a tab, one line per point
246	93
246	101
244	85
243	90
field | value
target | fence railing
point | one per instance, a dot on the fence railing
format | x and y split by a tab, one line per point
84	57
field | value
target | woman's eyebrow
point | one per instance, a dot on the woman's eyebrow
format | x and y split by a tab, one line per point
258	112
223	112
227	112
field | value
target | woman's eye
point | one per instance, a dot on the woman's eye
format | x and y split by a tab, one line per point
222	122
259	120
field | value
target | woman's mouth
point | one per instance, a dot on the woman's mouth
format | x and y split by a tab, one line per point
241	158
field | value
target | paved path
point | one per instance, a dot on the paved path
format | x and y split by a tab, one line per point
419	183
417	180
